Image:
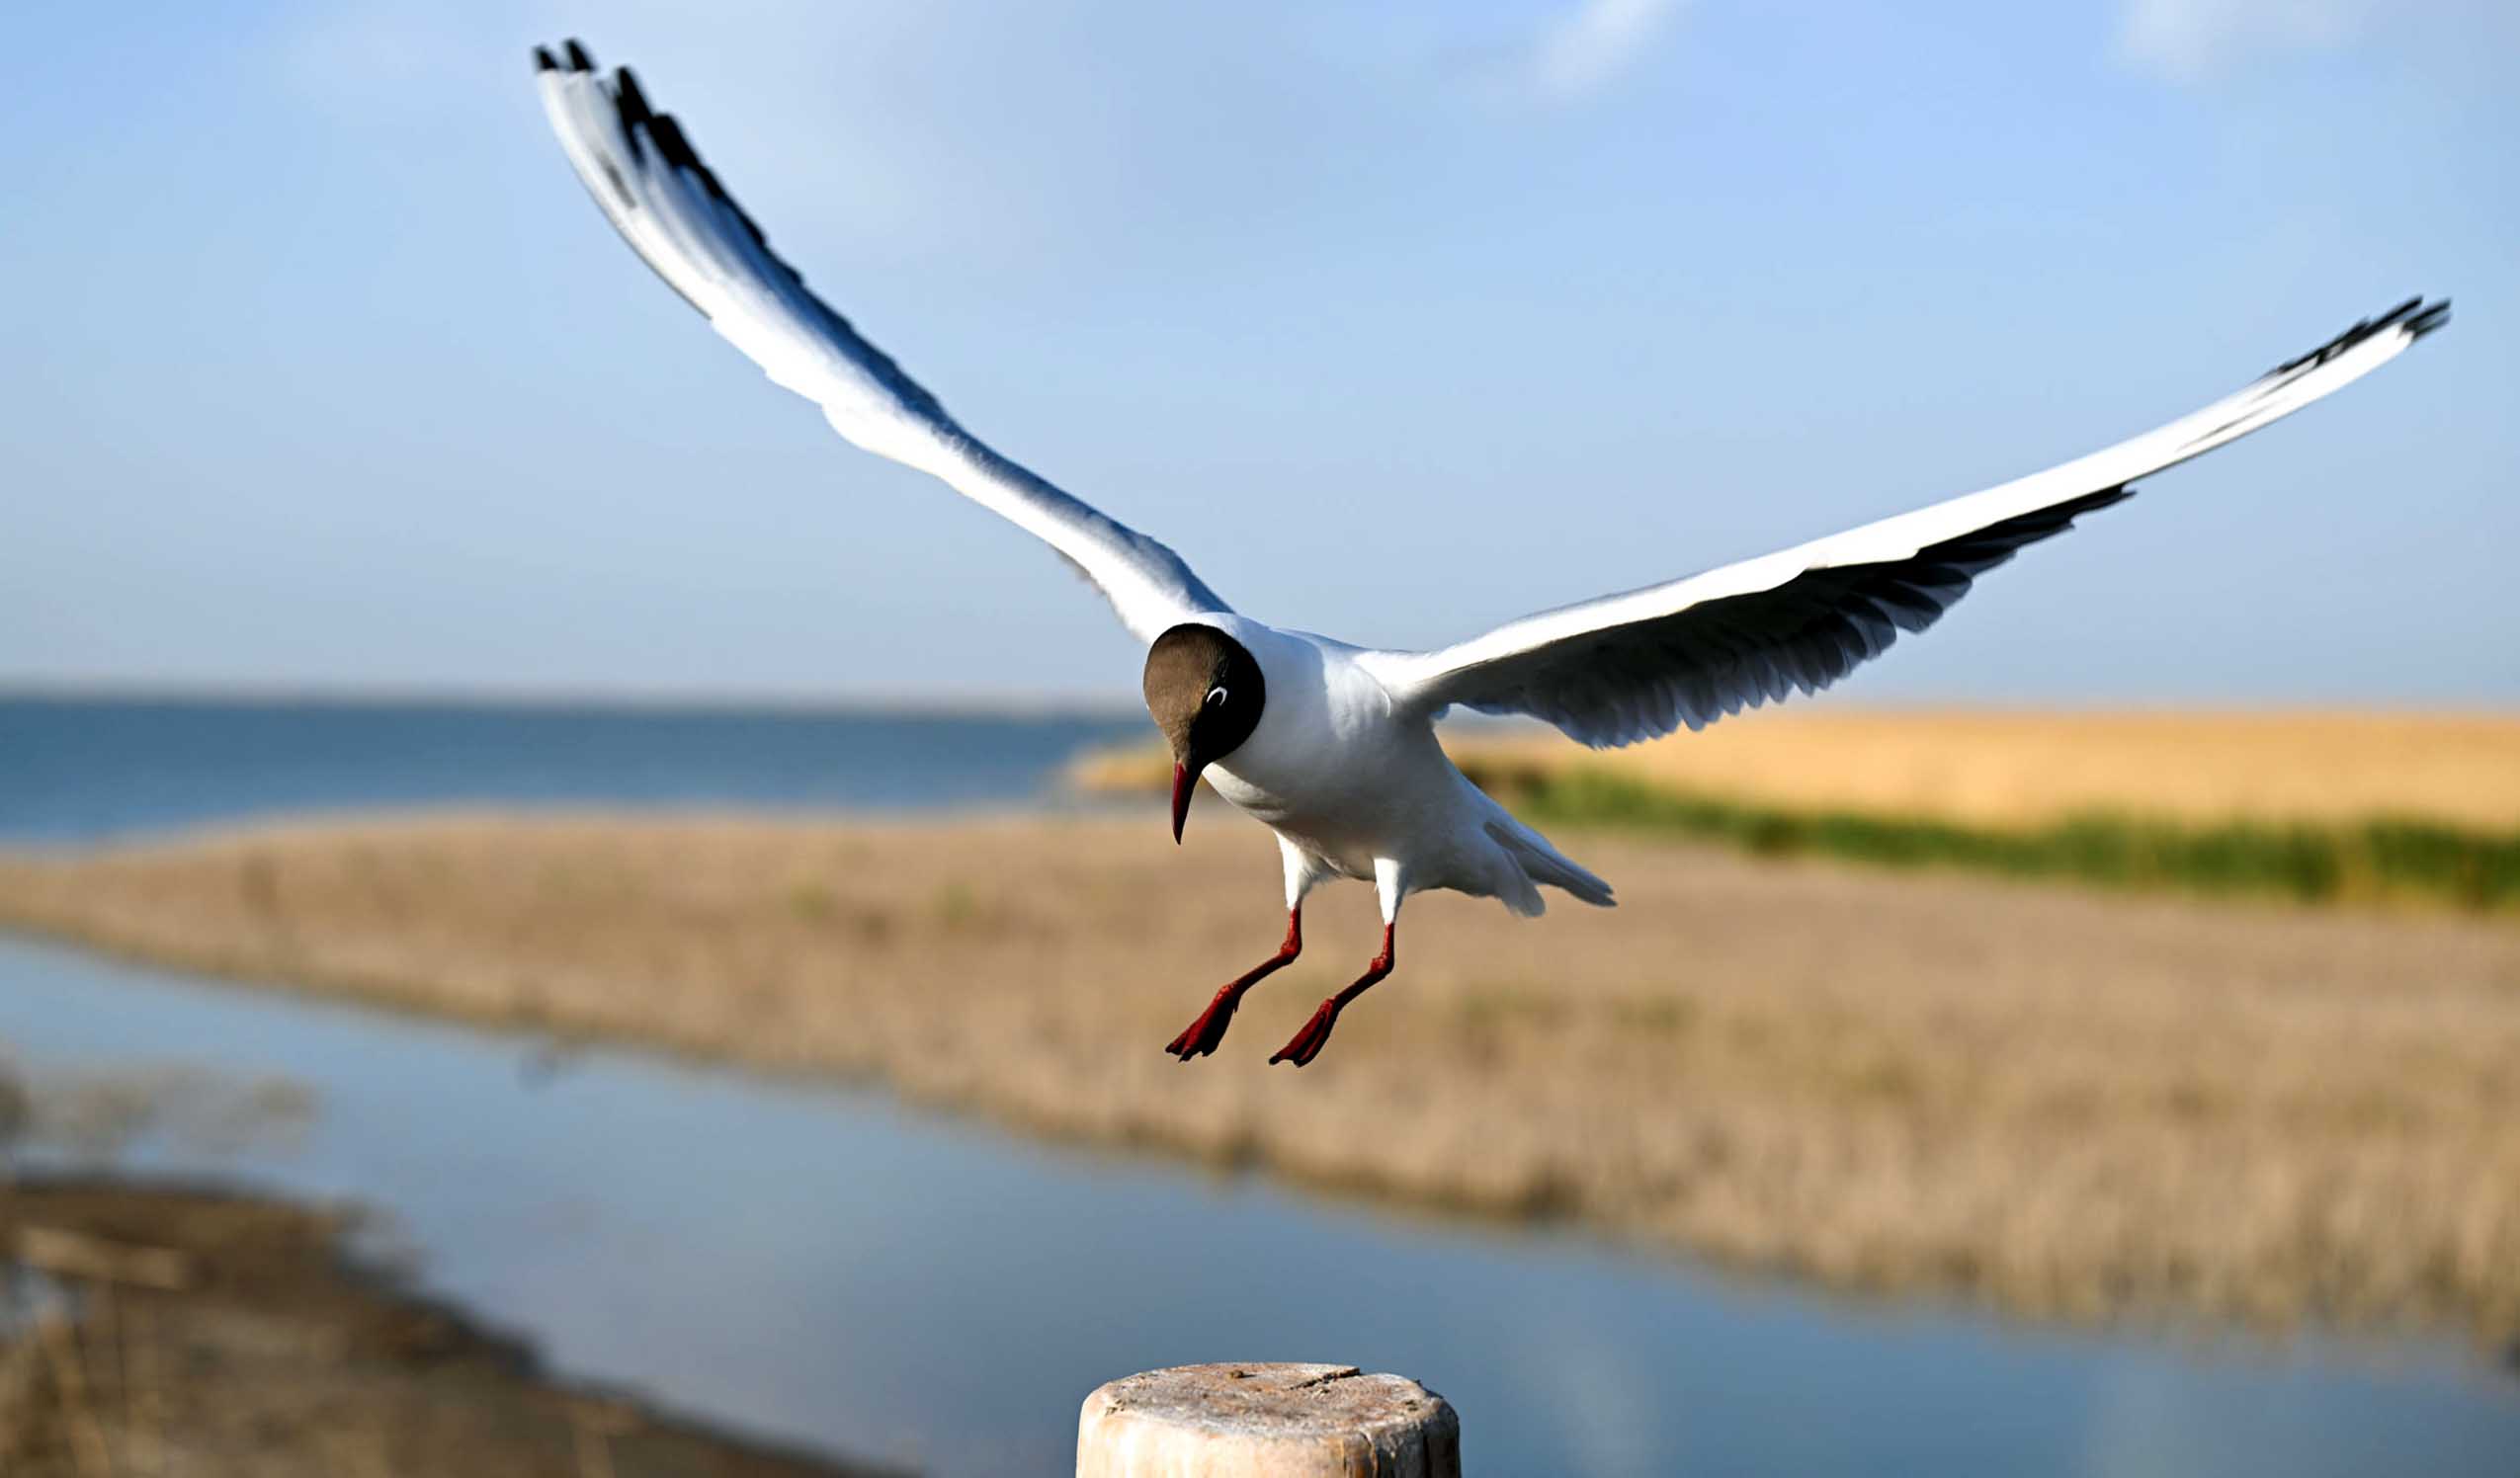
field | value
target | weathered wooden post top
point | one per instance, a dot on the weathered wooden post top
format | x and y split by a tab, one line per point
1267	1421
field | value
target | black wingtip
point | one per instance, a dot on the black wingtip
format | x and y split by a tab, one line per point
632	105
580	62
670	141
2412	316
631	101
544	62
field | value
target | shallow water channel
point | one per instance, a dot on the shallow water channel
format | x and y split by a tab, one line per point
830	1266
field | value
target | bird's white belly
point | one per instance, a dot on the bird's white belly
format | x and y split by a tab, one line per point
1341	776
1382	800
1342	835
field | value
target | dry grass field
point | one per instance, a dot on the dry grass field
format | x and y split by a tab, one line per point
2012	769
2318	807
1997	769
2072	1104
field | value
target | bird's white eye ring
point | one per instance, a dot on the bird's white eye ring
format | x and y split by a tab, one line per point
1215	696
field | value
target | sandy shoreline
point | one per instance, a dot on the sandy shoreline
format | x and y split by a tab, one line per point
2069	1106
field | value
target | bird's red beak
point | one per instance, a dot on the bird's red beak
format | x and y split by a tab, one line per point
1184	781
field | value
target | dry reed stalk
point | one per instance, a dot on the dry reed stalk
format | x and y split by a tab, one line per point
591	1430
68	1254
62	1343
145	1400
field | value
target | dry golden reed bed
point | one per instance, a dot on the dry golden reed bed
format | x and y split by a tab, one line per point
2321	809
2070	1104
2001	769
2011	770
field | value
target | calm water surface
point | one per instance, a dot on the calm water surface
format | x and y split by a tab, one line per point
79	770
832	1267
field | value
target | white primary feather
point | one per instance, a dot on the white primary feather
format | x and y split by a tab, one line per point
1628	667
673	211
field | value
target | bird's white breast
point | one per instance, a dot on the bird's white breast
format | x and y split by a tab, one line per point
1330	765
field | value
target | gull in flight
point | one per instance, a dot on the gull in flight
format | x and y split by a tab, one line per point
1333	746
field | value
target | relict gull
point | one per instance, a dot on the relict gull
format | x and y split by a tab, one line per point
1333	746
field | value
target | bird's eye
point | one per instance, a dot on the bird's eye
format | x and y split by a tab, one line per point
1215	697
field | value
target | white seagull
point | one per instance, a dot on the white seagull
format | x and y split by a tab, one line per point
1333	746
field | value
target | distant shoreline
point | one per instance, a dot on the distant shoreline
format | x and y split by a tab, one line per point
2072	1105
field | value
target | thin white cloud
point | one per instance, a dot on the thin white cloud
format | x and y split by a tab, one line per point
2187	40
1596	41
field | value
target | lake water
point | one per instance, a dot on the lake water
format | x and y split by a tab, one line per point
76	770
830	1266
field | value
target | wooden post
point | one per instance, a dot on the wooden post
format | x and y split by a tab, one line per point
1267	1421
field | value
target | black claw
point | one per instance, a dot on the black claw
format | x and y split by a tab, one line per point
578	59
544	62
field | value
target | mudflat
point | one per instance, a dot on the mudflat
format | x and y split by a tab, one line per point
227	1336
2067	1103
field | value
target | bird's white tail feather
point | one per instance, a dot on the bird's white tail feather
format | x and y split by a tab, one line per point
1542	864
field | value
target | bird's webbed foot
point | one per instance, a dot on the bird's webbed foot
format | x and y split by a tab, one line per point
1202	1035
1307	1044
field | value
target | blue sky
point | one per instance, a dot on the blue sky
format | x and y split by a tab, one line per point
1397	320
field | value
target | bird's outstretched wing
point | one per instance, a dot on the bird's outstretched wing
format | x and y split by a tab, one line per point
1630	667
673	211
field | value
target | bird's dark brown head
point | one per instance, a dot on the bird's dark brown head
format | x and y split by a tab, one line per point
1204	691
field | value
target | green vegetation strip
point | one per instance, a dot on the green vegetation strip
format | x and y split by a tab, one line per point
2379	858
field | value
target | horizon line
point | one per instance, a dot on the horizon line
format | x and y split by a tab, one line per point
958	703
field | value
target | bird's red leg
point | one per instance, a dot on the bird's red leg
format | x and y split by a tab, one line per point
1203	1034
1307	1044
